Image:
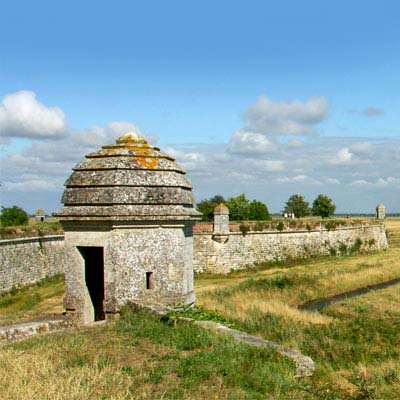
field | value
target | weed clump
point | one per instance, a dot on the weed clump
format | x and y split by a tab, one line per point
356	246
244	228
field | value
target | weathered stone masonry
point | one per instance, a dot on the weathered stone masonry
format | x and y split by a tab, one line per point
128	215
25	261
239	251
28	260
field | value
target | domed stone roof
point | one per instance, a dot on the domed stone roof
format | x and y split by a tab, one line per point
129	180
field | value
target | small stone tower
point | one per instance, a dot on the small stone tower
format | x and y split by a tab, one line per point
221	223
128	216
380	212
40	215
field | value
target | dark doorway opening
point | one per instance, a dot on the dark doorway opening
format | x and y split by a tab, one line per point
94	277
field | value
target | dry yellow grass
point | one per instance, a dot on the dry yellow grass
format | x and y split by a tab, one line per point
36	376
330	275
375	304
242	304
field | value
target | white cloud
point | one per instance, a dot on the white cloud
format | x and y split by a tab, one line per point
380	182
304	179
190	160
45	164
332	181
363	148
22	115
285	118
254	162
269	165
344	156
359	182
33	186
243	142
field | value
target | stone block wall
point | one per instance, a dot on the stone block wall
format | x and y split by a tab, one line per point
239	251
26	261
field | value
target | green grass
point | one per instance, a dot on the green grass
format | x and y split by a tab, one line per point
143	357
355	343
33	229
44	297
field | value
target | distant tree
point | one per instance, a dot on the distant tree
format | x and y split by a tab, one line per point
323	206
217	199
238	207
297	205
257	211
13	216
206	207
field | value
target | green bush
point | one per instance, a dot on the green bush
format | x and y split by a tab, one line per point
13	216
244	228
259	226
343	248
356	246
330	225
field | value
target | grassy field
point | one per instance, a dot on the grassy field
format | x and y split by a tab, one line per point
43	298
50	227
355	343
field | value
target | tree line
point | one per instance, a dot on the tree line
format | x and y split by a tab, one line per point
241	209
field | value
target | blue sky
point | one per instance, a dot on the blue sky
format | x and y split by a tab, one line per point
189	72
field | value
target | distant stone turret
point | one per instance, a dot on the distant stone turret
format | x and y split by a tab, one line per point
40	215
380	212
221	223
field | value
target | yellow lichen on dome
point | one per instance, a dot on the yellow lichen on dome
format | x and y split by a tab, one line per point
138	147
131	137
131	141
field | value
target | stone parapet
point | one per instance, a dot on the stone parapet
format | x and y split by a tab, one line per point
28	260
240	251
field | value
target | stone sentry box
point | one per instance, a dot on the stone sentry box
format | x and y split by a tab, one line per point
128	216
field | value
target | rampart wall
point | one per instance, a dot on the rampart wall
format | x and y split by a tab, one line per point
224	253
28	260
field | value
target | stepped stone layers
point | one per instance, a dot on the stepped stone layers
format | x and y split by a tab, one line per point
128	181
131	205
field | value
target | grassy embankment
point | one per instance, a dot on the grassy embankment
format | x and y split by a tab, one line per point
50	227
356	343
43	298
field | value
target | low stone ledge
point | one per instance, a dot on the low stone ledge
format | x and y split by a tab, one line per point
48	238
26	329
305	366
